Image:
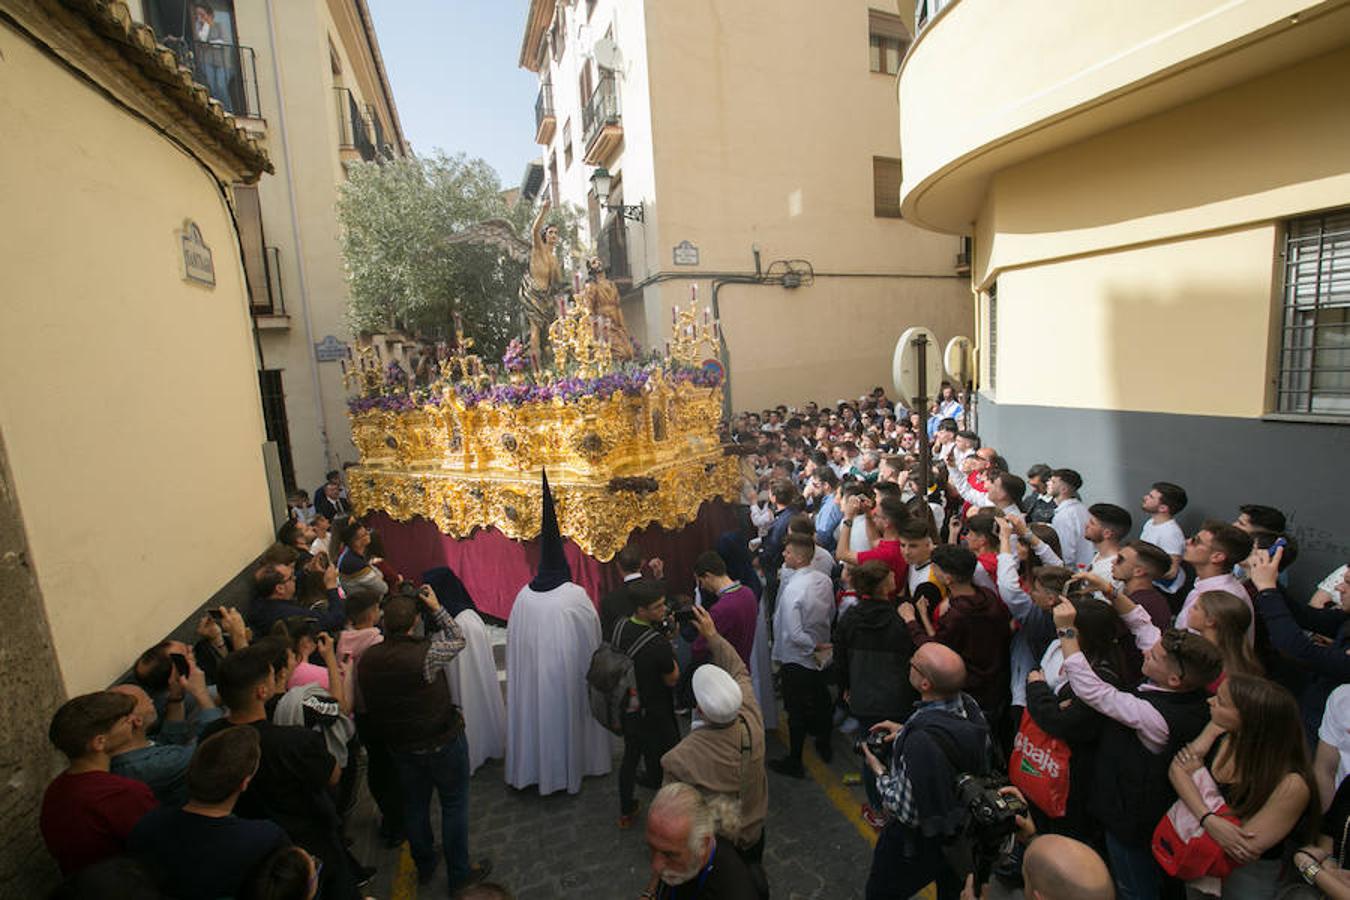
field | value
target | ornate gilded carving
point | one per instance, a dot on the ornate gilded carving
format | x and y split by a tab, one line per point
615	464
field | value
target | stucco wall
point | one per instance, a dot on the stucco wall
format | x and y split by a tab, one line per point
830	341
128	397
1178	327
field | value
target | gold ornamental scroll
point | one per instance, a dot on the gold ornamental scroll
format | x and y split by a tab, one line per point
615	464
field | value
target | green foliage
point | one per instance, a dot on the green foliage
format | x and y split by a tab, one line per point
395	217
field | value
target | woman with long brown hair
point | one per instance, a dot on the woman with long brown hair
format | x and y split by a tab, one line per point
1223	620
1254	749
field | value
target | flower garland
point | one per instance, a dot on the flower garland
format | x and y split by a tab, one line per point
629	381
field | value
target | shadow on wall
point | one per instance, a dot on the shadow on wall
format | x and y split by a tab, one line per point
1221	461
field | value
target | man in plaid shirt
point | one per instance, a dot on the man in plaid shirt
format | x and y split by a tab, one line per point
945	736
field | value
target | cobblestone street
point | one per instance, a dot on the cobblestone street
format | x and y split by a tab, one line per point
570	846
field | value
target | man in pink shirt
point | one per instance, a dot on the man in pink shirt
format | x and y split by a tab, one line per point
362	633
1214	550
1147	726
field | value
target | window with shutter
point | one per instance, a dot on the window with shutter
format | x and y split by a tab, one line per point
886	187
888	40
248	212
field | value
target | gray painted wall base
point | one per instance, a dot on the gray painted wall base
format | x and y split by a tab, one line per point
1302	469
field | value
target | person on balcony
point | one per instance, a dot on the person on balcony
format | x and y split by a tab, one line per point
211	53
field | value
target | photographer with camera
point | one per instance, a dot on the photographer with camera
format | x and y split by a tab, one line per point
651	729
403	682
924	773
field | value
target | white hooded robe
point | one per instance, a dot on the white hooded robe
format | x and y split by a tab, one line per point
551	738
474	687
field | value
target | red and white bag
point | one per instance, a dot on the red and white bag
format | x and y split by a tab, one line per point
1039	767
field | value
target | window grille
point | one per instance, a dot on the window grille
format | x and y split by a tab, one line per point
1314	376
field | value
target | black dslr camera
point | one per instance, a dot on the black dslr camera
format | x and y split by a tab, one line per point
992	815
877	743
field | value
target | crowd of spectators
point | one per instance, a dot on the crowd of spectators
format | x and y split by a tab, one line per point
1144	713
1158	700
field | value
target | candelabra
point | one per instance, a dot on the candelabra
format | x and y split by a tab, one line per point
689	334
578	335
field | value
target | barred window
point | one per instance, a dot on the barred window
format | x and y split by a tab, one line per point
1315	343
992	339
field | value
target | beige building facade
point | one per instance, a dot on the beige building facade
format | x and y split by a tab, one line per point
306	78
1159	200
737	131
133	456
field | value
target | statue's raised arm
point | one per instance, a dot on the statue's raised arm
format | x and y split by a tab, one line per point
544	279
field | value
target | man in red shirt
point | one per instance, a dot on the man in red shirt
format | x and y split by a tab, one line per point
888	516
87	812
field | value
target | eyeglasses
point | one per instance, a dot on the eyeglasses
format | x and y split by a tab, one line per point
916	668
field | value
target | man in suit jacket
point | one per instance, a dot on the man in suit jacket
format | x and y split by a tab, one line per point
328	501
618	603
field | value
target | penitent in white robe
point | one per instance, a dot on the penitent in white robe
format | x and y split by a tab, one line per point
474	687
551	738
761	671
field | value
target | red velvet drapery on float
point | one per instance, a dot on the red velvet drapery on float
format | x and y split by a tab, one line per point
494	567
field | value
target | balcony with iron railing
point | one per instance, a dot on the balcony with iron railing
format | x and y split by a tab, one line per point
545	124
601	123
382	149
228	71
353	134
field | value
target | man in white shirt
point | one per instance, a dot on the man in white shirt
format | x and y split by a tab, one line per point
1214	550
1005	491
1071	518
801	631
1108	527
967	442
1163	503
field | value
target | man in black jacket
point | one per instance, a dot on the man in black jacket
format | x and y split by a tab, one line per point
618	603
945	736
408	706
872	650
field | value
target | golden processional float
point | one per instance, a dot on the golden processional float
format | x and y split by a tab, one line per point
627	440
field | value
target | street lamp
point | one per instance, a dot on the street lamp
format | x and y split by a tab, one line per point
600	183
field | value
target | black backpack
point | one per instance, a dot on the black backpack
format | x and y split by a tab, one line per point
611	680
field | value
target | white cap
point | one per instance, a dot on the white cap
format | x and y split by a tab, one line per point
717	693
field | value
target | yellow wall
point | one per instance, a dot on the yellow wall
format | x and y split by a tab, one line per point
1262	150
764	129
1159	241
827	342
989	82
1179	327
128	397
763	132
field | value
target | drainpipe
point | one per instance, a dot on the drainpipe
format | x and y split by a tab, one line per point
300	265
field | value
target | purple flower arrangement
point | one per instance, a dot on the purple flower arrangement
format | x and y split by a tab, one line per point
629	381
515	358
